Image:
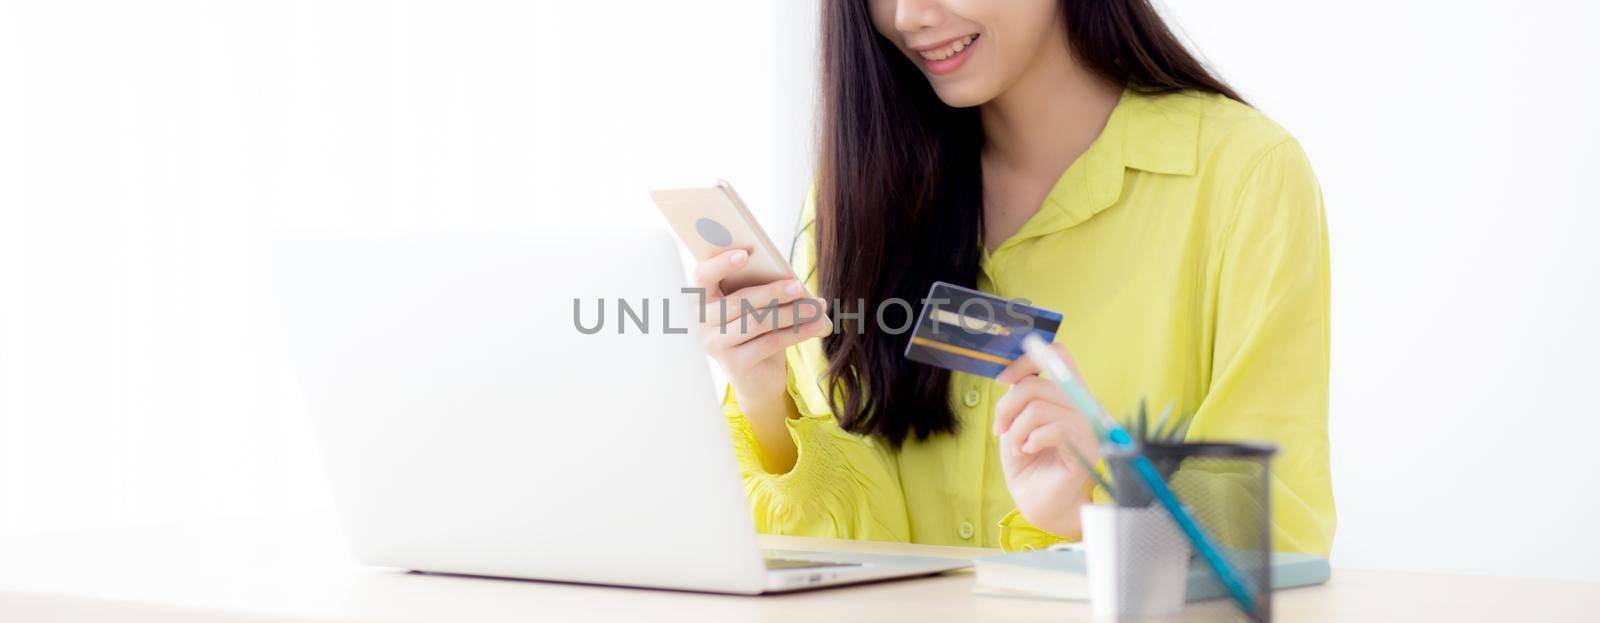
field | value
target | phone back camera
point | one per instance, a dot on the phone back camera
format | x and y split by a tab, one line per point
713	232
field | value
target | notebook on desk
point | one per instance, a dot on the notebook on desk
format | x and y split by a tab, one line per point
1061	574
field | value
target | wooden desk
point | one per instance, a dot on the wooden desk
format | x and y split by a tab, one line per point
295	569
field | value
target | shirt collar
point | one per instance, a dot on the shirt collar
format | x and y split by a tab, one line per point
1153	133
1162	133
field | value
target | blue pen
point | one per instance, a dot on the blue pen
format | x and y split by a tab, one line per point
1109	431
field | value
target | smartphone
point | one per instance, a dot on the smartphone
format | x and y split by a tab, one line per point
710	220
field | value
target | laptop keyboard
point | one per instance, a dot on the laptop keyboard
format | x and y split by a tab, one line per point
778	564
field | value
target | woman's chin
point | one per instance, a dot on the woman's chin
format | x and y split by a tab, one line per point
963	93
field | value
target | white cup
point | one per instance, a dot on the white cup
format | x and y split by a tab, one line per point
1138	560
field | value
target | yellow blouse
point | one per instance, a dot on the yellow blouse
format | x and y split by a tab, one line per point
1187	250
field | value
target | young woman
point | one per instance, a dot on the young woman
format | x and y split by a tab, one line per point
1068	152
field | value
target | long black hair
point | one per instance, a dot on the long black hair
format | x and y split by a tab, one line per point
900	195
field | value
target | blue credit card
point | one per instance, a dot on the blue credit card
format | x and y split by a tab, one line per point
970	331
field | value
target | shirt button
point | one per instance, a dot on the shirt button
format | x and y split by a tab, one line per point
966	529
971	399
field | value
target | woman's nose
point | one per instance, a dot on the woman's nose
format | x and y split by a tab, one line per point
917	15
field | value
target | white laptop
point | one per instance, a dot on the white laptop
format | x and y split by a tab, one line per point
469	426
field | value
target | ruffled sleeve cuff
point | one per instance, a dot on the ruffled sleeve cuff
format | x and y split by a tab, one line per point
1017	535
813	462
840	485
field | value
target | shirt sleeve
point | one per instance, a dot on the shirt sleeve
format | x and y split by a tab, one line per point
842	485
1269	359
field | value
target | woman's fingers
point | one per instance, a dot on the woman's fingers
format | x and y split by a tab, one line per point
1036	414
708	275
1069	439
773	342
1054	435
743	328
761	322
1044	426
754	300
1024	391
1033	416
1024	366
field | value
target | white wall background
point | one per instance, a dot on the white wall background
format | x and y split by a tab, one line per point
143	143
1457	144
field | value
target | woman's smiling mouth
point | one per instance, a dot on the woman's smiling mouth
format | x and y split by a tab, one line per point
946	57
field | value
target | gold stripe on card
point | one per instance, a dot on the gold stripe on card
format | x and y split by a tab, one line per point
964	352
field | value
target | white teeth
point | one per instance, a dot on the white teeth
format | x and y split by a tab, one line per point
948	51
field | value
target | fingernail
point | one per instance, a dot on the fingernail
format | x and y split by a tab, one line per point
795	289
739	257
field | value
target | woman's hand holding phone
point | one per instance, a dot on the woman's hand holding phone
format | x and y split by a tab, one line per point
746	332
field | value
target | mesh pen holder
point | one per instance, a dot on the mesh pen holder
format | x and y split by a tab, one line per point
1224	486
